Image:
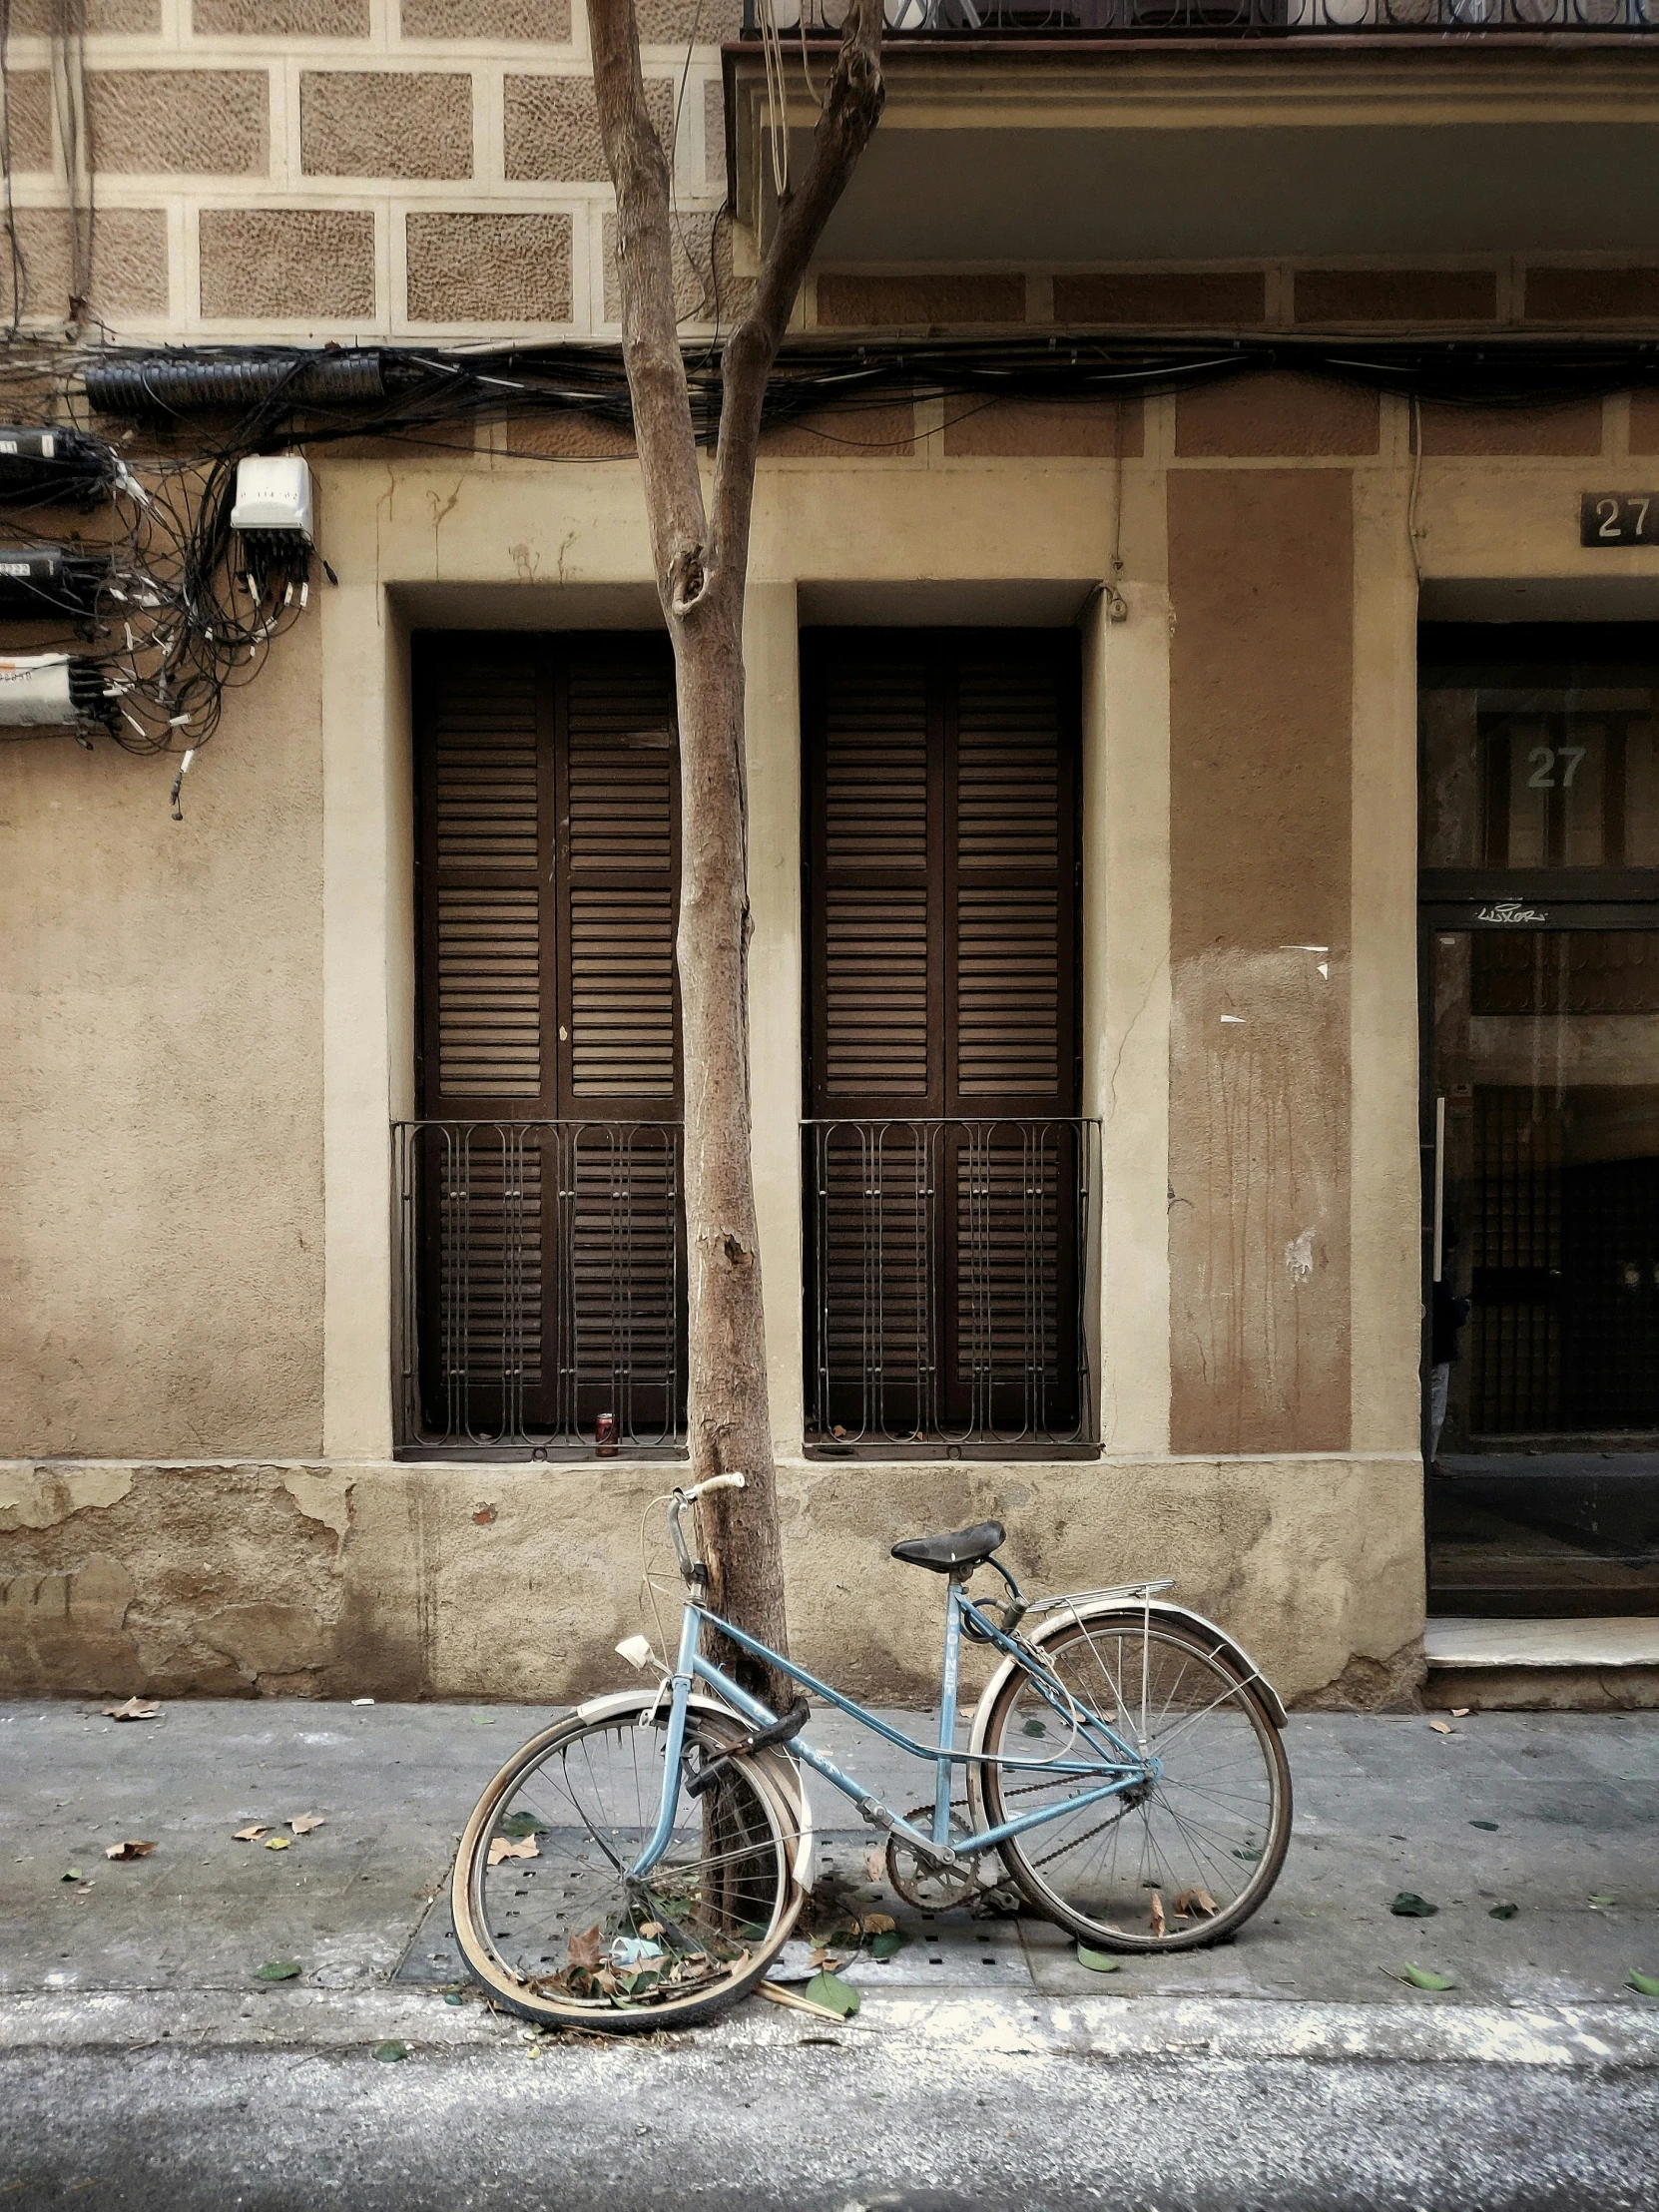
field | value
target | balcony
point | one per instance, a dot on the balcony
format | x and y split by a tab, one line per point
962	19
949	1284
541	1287
1123	132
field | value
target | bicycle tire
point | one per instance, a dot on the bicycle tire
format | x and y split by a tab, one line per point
1176	1681
750	1797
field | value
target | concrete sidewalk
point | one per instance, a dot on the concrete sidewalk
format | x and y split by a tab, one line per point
144	2067
1555	1814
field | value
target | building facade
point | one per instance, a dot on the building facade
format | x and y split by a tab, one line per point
1203	855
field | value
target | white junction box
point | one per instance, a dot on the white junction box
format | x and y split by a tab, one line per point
274	494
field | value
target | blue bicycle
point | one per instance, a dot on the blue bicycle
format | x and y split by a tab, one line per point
641	1864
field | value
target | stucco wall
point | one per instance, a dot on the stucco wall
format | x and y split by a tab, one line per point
160	1086
183	998
514	1583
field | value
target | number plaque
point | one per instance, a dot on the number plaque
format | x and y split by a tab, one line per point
1618	518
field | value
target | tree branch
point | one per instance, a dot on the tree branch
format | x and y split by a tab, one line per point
852	104
650	335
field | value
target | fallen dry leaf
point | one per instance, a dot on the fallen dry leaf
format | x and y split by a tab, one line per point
135	1709
878	1923
502	1847
585	1950
1196	1902
306	1823
250	1835
1462	1712
1442	1728
130	1849
1158	1923
277	1843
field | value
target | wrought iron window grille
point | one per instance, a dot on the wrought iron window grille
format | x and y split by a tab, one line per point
949	1280
540	1284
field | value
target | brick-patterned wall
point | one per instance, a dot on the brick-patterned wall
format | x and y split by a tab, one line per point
355	169
423	170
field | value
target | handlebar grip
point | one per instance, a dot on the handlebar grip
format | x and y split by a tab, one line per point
715	1483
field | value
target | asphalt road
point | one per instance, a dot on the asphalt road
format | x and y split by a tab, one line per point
815	2126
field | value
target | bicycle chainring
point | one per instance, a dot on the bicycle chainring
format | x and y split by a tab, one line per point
923	1880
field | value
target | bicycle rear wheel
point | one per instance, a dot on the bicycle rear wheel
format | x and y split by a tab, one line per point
547	1915
1188	1857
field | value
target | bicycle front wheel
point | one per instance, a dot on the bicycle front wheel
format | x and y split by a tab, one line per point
548	1916
1185	1857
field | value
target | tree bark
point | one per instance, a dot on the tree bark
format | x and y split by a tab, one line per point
701	557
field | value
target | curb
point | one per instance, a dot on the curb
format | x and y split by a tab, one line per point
1586	2038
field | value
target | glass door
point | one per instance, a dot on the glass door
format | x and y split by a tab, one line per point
1540	1125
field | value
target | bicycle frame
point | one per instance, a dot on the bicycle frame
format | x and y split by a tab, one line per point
1115	1767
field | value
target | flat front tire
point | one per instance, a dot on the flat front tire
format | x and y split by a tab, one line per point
547	1916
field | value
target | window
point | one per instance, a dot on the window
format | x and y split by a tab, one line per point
542	1182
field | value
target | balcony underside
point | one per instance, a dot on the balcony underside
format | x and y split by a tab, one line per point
1073	154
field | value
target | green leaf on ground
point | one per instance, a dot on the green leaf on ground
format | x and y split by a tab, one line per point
277	1970
1503	1911
1097	1962
1424	1978
1646	1985
1036	1728
72	1873
1407	1906
834	1995
1489	1826
520	1825
391	2052
1601	1897
888	1945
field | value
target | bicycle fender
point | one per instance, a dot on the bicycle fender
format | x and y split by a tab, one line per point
1223	1644
781	1770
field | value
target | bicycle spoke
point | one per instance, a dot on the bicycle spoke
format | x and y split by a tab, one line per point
1204	1819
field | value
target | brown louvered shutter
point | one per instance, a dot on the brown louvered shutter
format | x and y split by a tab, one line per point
943	867
618	881
943	1031
548	798
619	890
487	815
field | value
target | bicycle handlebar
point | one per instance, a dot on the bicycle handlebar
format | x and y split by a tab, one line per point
714	1483
695	1572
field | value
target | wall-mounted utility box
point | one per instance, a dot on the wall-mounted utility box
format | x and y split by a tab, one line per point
39	581
44	469
274	496
46	690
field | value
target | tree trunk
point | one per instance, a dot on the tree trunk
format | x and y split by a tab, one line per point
700	559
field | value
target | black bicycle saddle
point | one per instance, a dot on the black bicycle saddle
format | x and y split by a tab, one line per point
961	1548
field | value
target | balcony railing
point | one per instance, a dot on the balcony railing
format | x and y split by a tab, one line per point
541	1283
1206	18
949	1266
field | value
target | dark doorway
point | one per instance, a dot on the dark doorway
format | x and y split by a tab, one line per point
1540	1003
